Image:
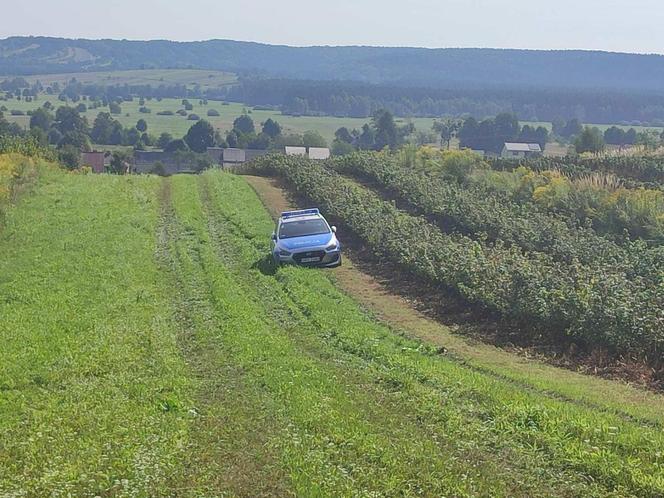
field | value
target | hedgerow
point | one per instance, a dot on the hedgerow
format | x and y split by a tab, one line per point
594	305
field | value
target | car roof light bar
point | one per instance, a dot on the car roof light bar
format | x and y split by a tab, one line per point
301	212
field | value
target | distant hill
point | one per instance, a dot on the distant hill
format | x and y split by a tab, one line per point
442	68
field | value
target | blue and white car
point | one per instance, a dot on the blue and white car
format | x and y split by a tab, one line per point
305	238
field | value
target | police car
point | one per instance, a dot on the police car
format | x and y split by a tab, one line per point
305	238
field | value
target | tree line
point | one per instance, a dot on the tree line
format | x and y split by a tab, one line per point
352	99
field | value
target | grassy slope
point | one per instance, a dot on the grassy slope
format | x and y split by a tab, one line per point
159	351
89	369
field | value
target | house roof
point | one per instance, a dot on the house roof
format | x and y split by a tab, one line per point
521	147
319	152
295	151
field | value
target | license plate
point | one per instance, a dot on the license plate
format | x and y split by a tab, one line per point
310	260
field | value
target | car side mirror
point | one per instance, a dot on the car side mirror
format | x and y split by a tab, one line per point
274	236
334	229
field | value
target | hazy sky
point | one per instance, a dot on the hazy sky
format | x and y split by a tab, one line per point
625	26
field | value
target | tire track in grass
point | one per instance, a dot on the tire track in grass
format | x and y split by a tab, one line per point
413	401
230	449
343	448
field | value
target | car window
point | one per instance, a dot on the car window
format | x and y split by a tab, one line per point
302	228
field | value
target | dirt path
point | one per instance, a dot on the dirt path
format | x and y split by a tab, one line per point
402	314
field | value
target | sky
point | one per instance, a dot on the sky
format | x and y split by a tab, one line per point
621	26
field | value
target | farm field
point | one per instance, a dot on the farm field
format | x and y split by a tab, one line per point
178	125
150	349
155	77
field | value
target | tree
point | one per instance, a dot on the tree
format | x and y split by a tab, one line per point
468	134
77	139
200	136
506	130
54	136
244	124
158	168
68	119
164	140
259	142
118	134
176	145
120	162
142	125
367	138
343	135
386	134
572	128
70	156
39	136
41	119
539	135
589	140
114	108
271	128
311	138
447	130
557	126
147	139
649	139
342	148
615	136
232	138
102	128
630	136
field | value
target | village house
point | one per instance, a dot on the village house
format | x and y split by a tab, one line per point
514	150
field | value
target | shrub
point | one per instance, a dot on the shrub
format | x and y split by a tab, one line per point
212	112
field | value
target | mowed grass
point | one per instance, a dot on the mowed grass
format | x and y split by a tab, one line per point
94	392
151	349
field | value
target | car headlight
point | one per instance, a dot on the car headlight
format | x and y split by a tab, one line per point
283	253
332	247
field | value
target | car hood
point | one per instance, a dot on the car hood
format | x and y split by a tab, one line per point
293	243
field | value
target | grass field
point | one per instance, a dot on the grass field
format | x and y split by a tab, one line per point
155	77
178	125
150	349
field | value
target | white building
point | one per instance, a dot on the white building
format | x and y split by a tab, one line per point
295	151
319	152
513	150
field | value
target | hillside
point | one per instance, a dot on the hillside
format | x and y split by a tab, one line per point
450	67
151	349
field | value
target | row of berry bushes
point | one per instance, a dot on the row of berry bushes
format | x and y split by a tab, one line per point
481	214
593	305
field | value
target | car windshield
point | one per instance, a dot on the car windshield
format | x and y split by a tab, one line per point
302	228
